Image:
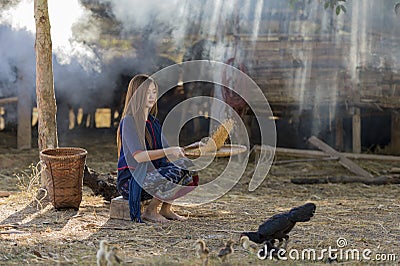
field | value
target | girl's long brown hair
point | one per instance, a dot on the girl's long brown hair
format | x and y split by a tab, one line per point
135	102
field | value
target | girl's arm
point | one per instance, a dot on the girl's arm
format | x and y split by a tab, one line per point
150	155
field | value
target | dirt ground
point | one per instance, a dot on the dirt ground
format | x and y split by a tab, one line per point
367	217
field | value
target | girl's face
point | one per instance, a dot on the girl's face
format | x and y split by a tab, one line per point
151	96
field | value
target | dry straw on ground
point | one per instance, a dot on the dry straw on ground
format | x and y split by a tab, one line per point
366	216
29	184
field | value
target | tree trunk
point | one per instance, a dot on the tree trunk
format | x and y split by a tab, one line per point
45	97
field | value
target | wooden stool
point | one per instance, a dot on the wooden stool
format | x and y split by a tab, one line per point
119	209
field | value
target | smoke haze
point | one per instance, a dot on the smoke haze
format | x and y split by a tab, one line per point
99	43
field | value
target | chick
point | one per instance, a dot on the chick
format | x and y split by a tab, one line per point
202	251
245	241
112	258
101	253
268	251
225	252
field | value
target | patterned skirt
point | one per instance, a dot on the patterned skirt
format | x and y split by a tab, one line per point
162	182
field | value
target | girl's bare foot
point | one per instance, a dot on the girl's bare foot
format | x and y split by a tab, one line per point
154	217
169	214
151	214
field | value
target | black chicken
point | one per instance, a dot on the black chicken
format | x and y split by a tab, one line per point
279	225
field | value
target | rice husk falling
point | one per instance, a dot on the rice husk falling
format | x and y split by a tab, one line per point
219	137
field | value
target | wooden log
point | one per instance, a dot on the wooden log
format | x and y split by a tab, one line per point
342	159
10	232
380	180
296	152
317	154
6	193
305	160
394	170
8	100
101	184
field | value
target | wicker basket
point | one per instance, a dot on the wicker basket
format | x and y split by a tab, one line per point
64	173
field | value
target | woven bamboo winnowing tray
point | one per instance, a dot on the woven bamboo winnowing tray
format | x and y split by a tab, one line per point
225	151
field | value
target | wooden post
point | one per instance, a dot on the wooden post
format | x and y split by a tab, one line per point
24	107
395	132
339	133
8	100
45	97
356	131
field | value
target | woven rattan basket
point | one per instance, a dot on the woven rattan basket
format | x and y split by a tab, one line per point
64	173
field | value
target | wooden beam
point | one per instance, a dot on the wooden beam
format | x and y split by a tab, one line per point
297	152
380	180
351	166
395	132
306	160
339	133
356	131
24	111
8	100
319	154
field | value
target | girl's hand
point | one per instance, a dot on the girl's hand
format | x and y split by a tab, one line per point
175	152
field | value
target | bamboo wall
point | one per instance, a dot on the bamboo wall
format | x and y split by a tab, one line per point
316	70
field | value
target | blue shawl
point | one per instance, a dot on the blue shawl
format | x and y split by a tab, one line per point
135	191
139	174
